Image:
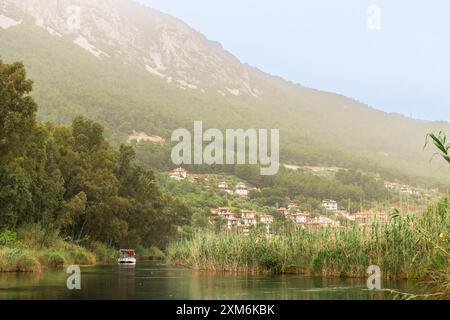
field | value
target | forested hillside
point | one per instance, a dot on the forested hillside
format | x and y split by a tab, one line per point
123	91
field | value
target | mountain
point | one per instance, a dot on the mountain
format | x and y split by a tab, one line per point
163	45
137	70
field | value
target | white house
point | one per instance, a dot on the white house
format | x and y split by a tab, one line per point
249	214
392	186
325	221
227	213
224	210
249	218
266	219
225	187
178	174
299	218
250	222
232	222
241	190
330	205
293	207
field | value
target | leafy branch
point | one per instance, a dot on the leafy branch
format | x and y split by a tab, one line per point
440	141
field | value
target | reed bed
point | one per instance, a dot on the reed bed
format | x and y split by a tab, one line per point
406	247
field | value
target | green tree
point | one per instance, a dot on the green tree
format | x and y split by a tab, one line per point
17	111
17	126
69	178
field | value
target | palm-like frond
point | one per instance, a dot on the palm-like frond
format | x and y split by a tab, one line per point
440	141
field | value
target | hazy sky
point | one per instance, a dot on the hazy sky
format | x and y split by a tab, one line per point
403	67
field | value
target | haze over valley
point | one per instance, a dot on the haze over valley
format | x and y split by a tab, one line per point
137	70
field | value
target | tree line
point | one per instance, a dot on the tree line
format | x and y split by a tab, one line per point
69	179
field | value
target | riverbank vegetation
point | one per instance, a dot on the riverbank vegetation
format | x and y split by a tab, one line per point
408	247
24	252
70	189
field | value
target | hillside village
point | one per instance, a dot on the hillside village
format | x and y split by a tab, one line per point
332	215
246	220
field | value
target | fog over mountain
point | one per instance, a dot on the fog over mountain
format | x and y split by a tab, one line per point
163	45
135	69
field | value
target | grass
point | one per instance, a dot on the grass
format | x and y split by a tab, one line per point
21	259
15	256
26	252
408	247
18	260
103	253
65	255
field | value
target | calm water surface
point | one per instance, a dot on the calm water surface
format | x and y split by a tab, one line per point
155	281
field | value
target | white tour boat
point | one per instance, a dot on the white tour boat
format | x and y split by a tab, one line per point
127	256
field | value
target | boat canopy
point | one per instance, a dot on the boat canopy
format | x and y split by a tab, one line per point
129	252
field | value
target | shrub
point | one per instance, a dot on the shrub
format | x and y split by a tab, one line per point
18	260
81	256
33	235
9	239
270	260
66	255
54	258
152	253
103	253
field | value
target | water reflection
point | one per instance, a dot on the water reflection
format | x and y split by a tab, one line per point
156	281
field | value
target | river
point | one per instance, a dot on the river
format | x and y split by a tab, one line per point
155	281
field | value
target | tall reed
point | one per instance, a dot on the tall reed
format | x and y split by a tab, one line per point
401	248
